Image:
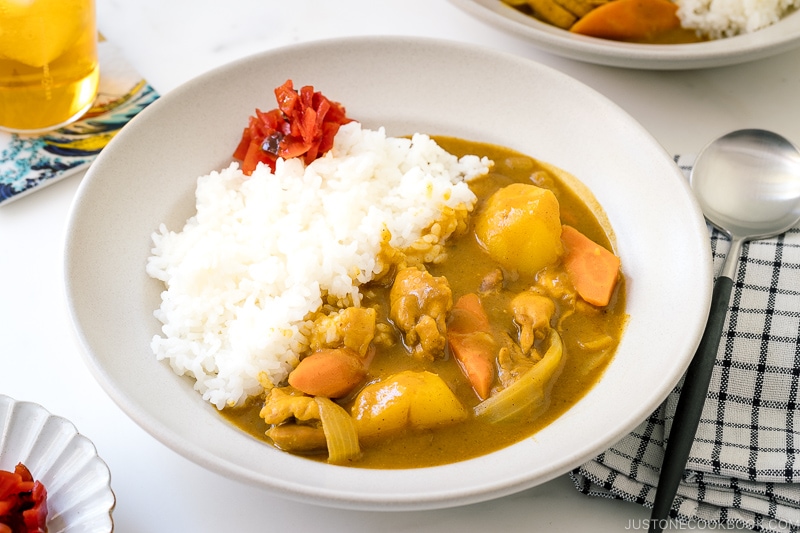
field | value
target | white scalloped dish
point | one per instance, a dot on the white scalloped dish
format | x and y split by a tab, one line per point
77	480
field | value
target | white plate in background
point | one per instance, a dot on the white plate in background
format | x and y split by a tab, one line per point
780	37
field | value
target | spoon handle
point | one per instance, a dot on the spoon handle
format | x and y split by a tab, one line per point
690	406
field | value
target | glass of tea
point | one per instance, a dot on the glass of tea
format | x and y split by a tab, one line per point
48	63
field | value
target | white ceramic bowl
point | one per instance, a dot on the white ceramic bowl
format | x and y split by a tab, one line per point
78	482
147	176
780	37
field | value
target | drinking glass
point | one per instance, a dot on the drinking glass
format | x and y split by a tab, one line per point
48	63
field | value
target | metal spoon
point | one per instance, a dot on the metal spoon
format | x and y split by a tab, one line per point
748	185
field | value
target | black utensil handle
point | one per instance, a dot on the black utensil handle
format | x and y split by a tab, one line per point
690	405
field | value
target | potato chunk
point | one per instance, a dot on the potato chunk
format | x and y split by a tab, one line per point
520	228
406	400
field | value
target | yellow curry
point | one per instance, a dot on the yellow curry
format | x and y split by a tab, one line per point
447	361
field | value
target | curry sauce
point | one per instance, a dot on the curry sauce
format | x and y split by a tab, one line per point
589	334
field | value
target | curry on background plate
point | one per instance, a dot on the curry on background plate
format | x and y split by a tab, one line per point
661	22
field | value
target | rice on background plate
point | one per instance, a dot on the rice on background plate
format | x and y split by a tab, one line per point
264	253
727	18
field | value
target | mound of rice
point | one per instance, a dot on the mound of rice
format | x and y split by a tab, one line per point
727	18
264	252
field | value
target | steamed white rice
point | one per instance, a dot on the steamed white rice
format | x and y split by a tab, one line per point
265	252
727	18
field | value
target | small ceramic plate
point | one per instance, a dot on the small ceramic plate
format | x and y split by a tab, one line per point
780	37
78	482
147	175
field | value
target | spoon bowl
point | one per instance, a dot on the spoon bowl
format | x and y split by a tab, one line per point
748	186
748	183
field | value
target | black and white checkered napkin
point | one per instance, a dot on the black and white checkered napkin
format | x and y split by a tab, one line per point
744	466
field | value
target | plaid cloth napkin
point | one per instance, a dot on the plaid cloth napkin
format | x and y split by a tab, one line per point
745	462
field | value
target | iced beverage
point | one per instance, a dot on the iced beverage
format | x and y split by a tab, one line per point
48	63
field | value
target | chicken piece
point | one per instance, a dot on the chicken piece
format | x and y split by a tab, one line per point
298	438
286	403
353	328
578	8
512	362
419	303
553	13
492	281
532	312
555	283
294	419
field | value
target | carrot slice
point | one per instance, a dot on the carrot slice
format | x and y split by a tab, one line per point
470	341
629	20
330	373
469	315
593	269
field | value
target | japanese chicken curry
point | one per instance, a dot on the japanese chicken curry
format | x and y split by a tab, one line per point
452	359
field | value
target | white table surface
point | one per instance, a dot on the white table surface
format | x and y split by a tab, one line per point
171	41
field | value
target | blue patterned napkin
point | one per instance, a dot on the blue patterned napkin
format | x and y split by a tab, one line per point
745	461
29	162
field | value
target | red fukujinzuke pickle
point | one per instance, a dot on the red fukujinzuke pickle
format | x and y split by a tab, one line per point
23	502
303	125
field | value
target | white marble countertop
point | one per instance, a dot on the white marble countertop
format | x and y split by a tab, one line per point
171	41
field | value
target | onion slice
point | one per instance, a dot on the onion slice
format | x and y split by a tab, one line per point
340	431
530	393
